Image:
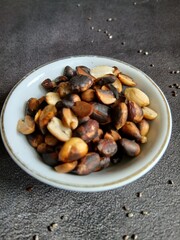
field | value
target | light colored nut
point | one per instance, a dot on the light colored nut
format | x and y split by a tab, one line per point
105	96
66	167
58	130
148	113
126	80
26	126
143	127
116	71
72	150
137	96
100	71
37	115
118	85
52	98
69	119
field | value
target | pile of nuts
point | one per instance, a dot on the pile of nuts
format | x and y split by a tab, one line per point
87	120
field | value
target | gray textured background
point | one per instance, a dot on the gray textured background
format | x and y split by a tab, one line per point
35	32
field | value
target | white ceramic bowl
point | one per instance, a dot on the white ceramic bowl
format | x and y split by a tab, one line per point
116	176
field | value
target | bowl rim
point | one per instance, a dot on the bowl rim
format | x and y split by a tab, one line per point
98	187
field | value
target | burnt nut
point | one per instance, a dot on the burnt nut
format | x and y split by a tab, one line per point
32	106
135	113
107	147
82	109
130	147
35	139
105	96
50	159
88	164
66	167
120	114
48	84
87	131
44	148
109	78
64	89
69	72
26	126
80	83
82	70
130	130
101	113
72	150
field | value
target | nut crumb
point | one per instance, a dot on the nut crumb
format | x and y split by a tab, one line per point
52	227
36	237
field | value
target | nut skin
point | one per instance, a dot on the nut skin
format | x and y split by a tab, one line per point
130	147
80	83
88	164
66	167
87	131
131	130
135	113
107	147
120	114
101	113
69	72
72	150
143	127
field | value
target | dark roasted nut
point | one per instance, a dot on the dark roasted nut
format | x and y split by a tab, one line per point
135	113
64	89
120	114
107	147
42	102
80	83
130	147
88	164
61	79
143	127
69	119
66	167
50	159
72	150
69	72
44	148
82	109
101	113
26	126
105	162
87	131
109	78
130	130
82	70
114	90
88	95
46	115
118	85
32	106
48	84
68	101
126	80
35	139
50	140
83	120
105	96
99	136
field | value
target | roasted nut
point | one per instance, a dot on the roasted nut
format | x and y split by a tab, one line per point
120	114
104	162
37	115
87	131
136	95
105	97
52	98
35	139
66	167
46	115
101	113
83	120
135	113
143	127
88	164
130	130
61	79
26	126
58	130
50	159
143	139
74	149
130	147
148	113
100	71
51	140
126	80
48	84
118	85
68	101
108	136
69	72
107	147
106	79
114	91
44	148
116	136
82	109
116	71
64	89
32	106
99	136
69	119
82	70
80	83
88	95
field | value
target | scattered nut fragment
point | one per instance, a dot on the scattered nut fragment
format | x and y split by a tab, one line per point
26	126
52	227
66	167
148	113
100	71
136	95
52	98
72	150
69	119
58	130
126	80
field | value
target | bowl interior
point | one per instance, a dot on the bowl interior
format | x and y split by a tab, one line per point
118	175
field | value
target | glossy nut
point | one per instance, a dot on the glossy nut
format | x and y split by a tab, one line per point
130	147
120	114
88	164
66	167
88	95
105	96
106	79
32	106
101	113
64	89
87	131
82	70
82	109
72	150
131	130
80	83
107	147
69	72
143	127
26	126
135	113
